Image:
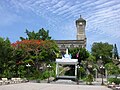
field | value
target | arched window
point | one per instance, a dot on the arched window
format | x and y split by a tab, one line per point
72	46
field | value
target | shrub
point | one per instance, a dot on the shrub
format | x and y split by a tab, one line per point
89	79
115	80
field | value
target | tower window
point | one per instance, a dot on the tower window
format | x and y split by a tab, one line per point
72	46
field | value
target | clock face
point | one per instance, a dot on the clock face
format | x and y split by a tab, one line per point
80	23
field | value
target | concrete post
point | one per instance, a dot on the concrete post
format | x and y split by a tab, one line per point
106	74
96	74
56	69
75	70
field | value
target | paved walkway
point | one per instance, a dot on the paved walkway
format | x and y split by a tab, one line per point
46	86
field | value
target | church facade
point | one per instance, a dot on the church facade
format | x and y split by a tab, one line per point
80	37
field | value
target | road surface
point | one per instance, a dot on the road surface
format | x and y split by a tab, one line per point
46	86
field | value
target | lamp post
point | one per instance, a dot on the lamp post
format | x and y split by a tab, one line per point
49	66
102	70
28	65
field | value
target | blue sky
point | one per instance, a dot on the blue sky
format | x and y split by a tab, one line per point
58	16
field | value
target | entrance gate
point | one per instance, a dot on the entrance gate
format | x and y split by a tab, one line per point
66	61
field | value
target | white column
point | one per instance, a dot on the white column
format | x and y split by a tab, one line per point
106	74
75	70
56	69
96	74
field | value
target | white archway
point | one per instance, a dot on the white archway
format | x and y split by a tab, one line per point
66	61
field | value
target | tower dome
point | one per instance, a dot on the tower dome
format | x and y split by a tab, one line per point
81	20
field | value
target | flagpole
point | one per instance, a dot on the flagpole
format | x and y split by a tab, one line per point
77	55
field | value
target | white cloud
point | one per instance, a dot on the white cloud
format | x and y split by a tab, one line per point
64	7
7	18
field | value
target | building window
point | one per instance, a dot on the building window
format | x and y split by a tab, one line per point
80	46
62	46
72	46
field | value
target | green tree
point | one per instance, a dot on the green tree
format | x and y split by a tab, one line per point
6	57
35	52
90	64
42	34
112	69
79	53
103	50
37	49
49	49
19	67
115	53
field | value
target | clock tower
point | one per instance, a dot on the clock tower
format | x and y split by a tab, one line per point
80	37
80	24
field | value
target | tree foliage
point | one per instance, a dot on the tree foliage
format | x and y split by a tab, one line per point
37	51
112	69
6	57
103	50
79	53
115	52
42	34
38	48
